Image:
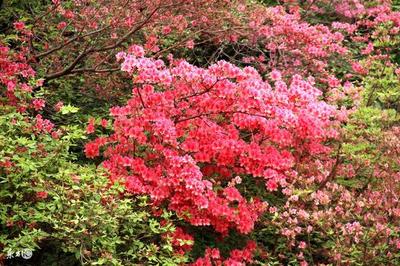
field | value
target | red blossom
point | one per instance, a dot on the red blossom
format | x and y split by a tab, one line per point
38	104
197	118
19	25
90	127
41	194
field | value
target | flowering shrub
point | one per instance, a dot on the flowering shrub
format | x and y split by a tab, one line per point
14	65
200	132
50	201
188	134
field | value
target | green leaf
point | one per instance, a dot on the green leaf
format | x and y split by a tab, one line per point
67	109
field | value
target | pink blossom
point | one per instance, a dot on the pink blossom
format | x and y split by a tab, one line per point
276	75
90	127
61	25
38	104
190	44
302	245
57	107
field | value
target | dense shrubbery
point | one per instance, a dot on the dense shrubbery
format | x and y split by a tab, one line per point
52	202
200	132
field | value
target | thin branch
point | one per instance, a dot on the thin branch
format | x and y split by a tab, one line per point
94	70
332	174
55	49
141	98
128	34
68	69
217	113
86	52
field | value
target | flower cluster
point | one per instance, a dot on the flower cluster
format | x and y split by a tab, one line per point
14	66
187	131
237	257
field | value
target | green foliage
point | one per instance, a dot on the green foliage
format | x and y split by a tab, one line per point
366	131
269	2
382	88
396	5
64	211
11	10
67	109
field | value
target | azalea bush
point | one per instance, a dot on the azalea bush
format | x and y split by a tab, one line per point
200	132
61	210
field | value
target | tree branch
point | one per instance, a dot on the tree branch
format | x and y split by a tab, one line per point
70	69
55	49
332	174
